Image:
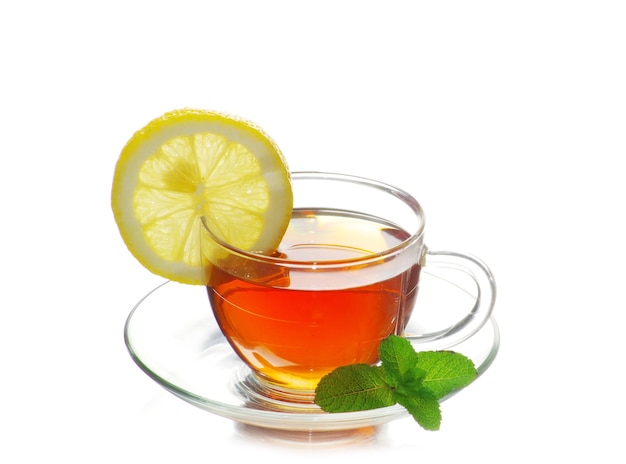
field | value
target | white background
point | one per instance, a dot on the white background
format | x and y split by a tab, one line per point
505	119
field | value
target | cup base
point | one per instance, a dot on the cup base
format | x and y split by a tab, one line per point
262	394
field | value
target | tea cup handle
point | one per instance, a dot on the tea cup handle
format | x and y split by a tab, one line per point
483	306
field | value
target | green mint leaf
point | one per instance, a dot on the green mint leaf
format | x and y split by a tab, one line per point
356	387
397	356
424	409
413	382
446	371
416	381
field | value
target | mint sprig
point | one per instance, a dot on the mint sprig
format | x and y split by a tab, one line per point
416	381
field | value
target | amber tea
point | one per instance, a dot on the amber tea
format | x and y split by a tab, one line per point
299	324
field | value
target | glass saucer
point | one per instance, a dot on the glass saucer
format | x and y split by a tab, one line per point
172	336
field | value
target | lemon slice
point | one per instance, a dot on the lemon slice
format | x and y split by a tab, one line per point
193	163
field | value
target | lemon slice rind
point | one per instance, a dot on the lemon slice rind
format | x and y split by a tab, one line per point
193	163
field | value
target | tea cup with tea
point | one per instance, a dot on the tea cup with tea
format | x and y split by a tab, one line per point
345	276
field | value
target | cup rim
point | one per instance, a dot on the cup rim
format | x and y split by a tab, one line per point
399	193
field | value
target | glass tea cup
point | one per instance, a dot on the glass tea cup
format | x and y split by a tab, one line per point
345	276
